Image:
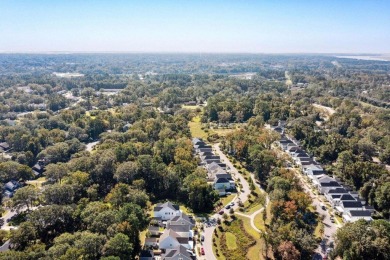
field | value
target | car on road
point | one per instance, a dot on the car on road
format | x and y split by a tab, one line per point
221	212
332	219
231	204
228	207
323	207
202	251
202	238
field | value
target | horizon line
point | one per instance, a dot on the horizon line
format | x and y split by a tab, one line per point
192	52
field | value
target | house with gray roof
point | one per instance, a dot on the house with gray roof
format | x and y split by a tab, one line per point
178	253
166	211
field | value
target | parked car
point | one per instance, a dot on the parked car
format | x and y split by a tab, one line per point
202	238
227	207
332	219
221	212
323	207
202	251
231	204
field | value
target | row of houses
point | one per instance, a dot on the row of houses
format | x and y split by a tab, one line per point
341	196
217	172
170	235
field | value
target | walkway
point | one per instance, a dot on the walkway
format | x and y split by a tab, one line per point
242	195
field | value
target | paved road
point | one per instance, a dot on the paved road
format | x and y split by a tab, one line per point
329	227
89	146
242	195
8	215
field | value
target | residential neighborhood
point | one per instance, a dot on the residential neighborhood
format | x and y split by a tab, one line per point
341	197
218	172
170	235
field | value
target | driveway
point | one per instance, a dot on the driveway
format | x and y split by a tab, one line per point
241	195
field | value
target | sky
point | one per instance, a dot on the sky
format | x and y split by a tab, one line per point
242	26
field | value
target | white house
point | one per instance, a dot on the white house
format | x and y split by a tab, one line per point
223	183
346	206
170	240
166	211
355	215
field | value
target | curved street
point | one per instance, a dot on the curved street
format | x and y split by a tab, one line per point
241	195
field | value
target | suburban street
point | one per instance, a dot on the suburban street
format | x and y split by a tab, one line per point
242	195
329	227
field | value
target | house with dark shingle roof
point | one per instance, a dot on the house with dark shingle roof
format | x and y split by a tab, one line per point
346	206
146	255
344	197
355	215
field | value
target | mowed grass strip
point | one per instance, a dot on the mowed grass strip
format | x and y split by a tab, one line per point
196	128
231	241
243	241
256	250
259	221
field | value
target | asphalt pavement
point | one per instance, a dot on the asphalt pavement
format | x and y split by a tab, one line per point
241	195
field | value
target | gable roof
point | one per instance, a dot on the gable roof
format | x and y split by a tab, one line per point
180	251
347	197
352	204
182	218
301	155
221	180
153	228
168	233
167	204
213	165
338	190
325	179
212	160
224	175
330	184
360	213
4	145
179	228
206	157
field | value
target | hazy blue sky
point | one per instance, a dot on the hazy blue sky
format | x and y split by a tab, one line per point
195	26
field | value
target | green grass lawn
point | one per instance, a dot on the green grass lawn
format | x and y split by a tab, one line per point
37	183
319	230
196	128
227	199
259	221
269	214
191	107
217	246
231	241
255	251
